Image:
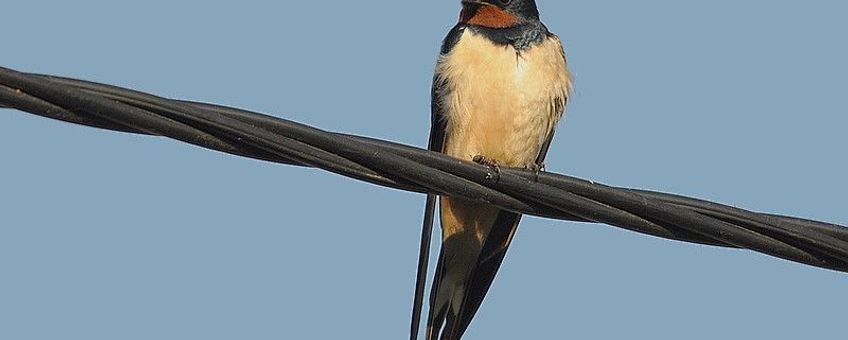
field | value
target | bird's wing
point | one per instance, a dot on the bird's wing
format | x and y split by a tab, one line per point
436	141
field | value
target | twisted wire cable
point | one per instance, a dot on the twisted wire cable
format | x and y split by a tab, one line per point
399	166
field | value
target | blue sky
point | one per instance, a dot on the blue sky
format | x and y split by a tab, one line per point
106	235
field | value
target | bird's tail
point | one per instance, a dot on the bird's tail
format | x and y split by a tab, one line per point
438	310
461	281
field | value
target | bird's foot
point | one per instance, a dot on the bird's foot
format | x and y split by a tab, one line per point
536	168
495	174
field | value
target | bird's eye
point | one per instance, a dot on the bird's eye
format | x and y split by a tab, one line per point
504	2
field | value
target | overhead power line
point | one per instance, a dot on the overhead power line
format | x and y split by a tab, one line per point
399	166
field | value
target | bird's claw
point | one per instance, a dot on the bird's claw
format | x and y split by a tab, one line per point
495	174
536	168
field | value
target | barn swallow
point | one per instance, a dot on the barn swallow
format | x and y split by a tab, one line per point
500	87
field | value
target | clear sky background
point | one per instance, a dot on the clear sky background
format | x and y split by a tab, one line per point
106	235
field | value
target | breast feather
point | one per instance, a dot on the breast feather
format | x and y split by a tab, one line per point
500	102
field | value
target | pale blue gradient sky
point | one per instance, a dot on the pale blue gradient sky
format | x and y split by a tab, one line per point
113	236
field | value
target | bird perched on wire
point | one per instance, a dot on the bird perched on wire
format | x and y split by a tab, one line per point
500	87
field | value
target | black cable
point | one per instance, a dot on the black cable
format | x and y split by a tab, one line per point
259	136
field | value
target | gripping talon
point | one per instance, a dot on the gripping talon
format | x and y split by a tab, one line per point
536	169
495	174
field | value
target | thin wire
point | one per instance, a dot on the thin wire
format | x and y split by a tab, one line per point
399	166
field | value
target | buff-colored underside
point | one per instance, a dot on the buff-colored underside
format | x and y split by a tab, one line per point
502	104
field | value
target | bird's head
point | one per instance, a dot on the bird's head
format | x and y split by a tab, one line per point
498	13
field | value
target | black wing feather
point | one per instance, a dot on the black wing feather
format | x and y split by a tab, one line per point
435	143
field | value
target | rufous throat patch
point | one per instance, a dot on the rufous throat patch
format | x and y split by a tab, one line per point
488	16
